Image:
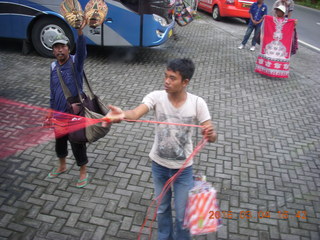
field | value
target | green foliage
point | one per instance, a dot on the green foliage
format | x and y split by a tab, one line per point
309	3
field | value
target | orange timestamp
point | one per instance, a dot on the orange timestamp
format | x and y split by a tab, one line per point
256	215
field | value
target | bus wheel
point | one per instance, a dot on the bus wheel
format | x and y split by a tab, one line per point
44	32
216	13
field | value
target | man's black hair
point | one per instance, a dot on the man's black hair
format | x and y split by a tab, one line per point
184	66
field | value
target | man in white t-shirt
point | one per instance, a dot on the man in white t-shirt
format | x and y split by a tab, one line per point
172	144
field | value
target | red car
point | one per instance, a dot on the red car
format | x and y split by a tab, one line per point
227	8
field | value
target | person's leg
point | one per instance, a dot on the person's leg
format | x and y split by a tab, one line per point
247	35
80	153
255	35
182	185
62	152
160	176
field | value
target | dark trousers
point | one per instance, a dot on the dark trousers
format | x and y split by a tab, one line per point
79	150
247	35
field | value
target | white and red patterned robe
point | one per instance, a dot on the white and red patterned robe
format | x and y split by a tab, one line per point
276	42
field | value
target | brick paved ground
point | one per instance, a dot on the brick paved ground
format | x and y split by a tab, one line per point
266	158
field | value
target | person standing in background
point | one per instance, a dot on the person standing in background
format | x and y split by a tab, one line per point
289	4
276	40
257	12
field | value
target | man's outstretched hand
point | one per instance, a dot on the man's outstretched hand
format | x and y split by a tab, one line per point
115	115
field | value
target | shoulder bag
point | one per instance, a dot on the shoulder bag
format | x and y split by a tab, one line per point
85	106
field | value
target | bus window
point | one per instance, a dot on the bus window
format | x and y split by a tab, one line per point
131	4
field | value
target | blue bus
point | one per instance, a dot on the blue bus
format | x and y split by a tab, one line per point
142	23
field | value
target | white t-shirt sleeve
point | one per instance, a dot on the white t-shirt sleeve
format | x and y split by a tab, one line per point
202	111
151	99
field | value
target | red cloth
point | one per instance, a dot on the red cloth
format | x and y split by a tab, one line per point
276	42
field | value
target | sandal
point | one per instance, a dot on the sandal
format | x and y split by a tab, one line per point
82	183
54	173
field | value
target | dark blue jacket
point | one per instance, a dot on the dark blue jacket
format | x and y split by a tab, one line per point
57	99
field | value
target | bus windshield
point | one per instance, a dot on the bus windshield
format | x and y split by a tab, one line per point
163	8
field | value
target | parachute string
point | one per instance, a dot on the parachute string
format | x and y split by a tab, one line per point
165	189
22	127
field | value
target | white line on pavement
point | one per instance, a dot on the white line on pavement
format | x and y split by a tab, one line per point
309	45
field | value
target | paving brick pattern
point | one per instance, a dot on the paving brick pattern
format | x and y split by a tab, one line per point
267	157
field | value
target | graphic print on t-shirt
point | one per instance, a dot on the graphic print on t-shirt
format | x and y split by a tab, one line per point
172	140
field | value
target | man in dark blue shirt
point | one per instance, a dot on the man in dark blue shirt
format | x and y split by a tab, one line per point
257	12
58	102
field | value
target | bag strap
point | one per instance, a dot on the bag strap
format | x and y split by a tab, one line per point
184	4
66	90
91	94
64	87
197	130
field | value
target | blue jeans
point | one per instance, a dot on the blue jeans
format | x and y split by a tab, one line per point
250	29
181	186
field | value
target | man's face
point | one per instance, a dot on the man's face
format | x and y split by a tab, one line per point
279	13
61	52
173	82
260	1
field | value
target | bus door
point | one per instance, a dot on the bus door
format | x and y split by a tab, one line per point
123	23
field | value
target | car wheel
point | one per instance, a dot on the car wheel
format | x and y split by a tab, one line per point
44	32
216	13
247	20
